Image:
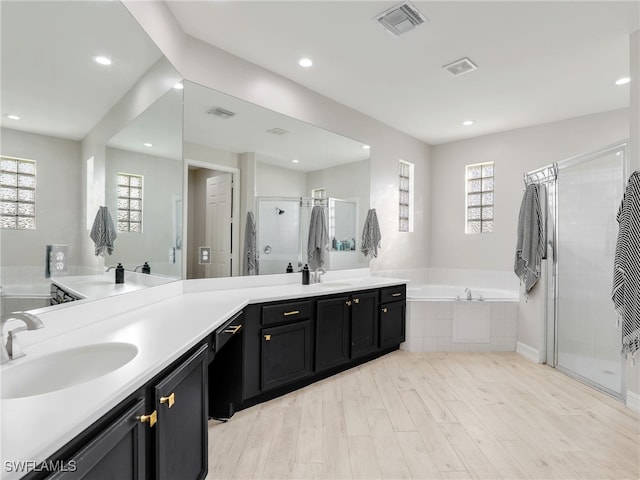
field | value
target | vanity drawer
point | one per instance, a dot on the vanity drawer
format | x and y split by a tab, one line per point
230	328
393	294
285	312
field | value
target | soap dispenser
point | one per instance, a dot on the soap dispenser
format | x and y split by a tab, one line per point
119	273
146	268
305	275
289	268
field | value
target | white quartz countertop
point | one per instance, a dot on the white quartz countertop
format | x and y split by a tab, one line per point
104	285
35	427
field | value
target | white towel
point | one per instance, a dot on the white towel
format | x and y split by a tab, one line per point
531	239
103	233
250	266
371	235
318	244
626	272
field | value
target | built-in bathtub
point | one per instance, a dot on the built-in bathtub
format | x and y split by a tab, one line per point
16	297
440	318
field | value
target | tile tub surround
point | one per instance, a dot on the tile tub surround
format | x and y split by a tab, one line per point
429	327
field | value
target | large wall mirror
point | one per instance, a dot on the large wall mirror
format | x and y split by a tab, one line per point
243	159
90	126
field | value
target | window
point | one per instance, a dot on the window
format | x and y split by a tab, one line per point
129	203
17	193
479	196
405	204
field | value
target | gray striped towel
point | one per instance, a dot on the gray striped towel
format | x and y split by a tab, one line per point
531	238
250	266
318	243
103	233
371	235
626	270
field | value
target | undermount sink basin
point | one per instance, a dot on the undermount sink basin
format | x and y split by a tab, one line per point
333	284
63	369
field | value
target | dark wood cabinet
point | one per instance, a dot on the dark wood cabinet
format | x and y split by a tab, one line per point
332	332
286	353
181	430
364	323
118	452
392	323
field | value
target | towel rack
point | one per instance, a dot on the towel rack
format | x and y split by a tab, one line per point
546	174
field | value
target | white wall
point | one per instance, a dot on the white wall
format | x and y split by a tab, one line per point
58	204
274	181
214	68
514	153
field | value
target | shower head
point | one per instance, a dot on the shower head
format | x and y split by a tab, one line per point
279	210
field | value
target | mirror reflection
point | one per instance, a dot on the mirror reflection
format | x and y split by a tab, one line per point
243	159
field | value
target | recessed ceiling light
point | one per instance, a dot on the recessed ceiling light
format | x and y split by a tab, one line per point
178	86
11	116
295	160
305	62
102	60
467	123
366	147
148	144
623	81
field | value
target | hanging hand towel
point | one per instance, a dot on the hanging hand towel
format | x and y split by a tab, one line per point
531	239
318	245
250	266
103	233
371	235
626	272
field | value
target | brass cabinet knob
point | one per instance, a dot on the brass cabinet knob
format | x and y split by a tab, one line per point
170	400
267	338
348	302
356	300
385	310
151	419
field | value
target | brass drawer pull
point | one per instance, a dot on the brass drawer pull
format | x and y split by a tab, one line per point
396	294
170	400
385	310
150	419
232	329
292	312
356	300
267	338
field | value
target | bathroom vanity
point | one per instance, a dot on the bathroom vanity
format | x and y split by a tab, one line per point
206	349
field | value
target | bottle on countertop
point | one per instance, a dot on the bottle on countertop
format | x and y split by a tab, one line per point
146	268
289	268
119	273
305	274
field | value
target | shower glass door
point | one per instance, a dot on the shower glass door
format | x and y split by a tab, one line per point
588	342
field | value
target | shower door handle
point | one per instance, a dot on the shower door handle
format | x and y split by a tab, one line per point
267	249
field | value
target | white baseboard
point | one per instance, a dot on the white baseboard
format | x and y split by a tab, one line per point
633	401
531	353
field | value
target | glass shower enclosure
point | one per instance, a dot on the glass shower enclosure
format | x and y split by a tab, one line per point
587	195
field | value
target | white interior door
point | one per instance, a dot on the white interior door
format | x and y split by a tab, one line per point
218	224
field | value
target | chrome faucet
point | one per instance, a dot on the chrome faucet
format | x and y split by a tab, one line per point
12	350
468	291
317	275
109	269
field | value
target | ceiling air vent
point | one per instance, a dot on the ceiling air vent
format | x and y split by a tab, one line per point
460	67
278	131
220	112
401	18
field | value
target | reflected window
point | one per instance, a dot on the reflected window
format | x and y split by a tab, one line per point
405	204
479	198
17	193
130	202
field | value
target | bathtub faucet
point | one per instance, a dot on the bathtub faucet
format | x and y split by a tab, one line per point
468	291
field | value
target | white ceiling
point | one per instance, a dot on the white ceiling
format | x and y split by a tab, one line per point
538	61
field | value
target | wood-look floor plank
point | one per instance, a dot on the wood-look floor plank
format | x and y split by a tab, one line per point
433	416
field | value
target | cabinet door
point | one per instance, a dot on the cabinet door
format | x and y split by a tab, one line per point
118	453
332	332
286	354
181	431
392	324
364	323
